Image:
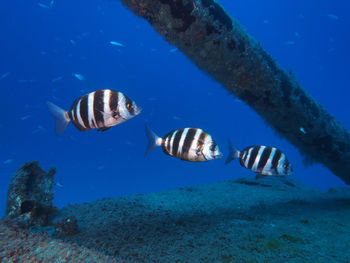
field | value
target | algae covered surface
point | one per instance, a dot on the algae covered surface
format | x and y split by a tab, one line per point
247	220
19	245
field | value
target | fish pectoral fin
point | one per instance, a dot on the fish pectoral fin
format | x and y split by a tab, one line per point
199	152
103	129
259	175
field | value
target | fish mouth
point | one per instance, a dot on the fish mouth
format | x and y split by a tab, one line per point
219	156
138	111
213	157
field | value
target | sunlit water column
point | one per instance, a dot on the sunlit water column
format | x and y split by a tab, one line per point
217	44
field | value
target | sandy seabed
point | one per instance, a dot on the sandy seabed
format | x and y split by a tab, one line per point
246	220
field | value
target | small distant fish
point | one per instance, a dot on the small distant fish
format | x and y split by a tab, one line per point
173	50
25	117
8	161
176	118
332	16
85	34
39	129
115	43
4	75
128	142
79	76
302	130
58	182
290	43
101	109
189	144
43	5
56	79
263	160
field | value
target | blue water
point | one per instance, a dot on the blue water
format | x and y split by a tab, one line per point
40	44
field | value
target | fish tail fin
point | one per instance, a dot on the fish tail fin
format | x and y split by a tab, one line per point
153	140
61	116
233	153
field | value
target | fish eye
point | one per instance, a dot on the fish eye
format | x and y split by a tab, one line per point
212	147
129	106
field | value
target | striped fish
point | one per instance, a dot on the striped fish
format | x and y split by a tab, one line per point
100	109
263	160
189	144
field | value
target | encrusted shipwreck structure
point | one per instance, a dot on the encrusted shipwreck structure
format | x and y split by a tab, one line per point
30	195
219	45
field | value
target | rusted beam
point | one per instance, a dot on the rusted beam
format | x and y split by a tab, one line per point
219	45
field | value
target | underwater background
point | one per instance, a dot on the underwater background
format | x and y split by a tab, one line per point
43	43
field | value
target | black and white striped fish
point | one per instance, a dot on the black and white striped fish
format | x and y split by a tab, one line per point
263	160
189	144
100	109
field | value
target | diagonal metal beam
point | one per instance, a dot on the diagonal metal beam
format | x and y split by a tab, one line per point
220	46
